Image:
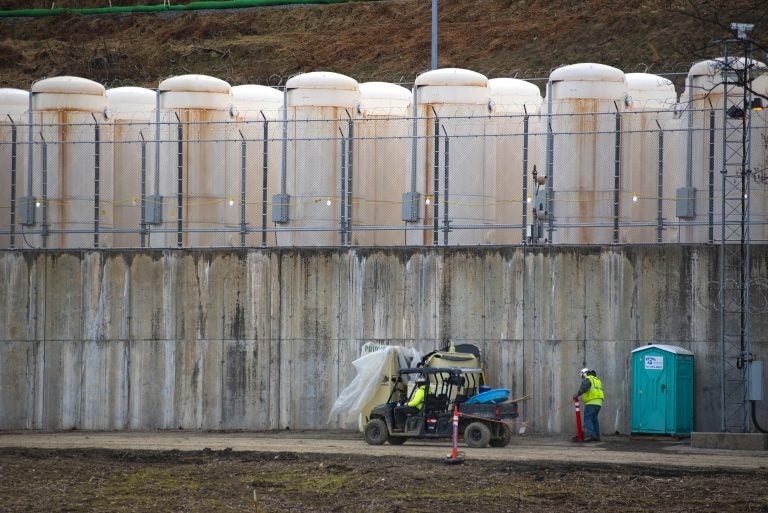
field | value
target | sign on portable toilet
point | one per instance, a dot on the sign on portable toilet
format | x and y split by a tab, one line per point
662	390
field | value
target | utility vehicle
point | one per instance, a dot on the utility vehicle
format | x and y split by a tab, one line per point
480	423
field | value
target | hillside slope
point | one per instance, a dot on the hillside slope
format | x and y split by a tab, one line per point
385	40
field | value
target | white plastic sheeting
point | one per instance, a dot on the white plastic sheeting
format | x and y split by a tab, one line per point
371	373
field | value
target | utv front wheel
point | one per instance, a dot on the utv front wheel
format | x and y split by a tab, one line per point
376	432
477	435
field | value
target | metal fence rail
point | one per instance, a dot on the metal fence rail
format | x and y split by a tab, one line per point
634	177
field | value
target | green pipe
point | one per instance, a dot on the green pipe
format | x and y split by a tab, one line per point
192	6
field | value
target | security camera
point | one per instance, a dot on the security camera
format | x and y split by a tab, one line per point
740	30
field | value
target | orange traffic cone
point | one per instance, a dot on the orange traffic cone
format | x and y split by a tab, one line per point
579	433
454	457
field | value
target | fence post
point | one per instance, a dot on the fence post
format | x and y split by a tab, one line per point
617	176
12	239
350	164
96	180
343	190
660	188
179	183
243	161
446	175
550	166
143	192
44	159
525	177
711	231
436	182
264	172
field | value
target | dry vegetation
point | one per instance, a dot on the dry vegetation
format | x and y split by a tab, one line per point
219	481
383	40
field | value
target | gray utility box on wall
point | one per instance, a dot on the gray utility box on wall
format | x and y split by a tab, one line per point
25	210
685	202
280	204
411	202
153	210
755	376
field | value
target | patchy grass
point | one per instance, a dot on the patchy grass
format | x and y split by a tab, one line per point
209	481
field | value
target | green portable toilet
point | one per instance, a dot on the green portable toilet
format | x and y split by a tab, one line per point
662	390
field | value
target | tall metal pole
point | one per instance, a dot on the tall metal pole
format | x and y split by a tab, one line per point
434	34
734	230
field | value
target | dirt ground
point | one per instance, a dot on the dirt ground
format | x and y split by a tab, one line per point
388	40
338	472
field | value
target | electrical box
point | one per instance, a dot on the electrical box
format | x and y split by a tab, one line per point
153	210
535	232
685	202
411	202
25	210
540	201
755	380
280	204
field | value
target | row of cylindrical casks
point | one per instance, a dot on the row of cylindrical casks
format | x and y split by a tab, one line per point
328	161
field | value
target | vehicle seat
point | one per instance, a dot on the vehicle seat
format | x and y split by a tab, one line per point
436	403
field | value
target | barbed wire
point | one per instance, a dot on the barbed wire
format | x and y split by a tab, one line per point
664	69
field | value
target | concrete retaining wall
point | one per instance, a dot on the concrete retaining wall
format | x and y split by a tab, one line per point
252	339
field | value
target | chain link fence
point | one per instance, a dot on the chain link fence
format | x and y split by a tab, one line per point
210	179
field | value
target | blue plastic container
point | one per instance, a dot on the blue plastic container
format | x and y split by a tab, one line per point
495	396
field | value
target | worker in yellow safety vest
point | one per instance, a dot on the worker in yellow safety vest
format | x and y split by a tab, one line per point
591	392
412	407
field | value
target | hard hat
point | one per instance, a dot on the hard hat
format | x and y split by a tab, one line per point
421	379
584	370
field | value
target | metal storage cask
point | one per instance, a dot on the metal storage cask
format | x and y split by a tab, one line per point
193	124
130	113
583	103
382	148
515	131
318	117
454	168
648	184
14	103
72	179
